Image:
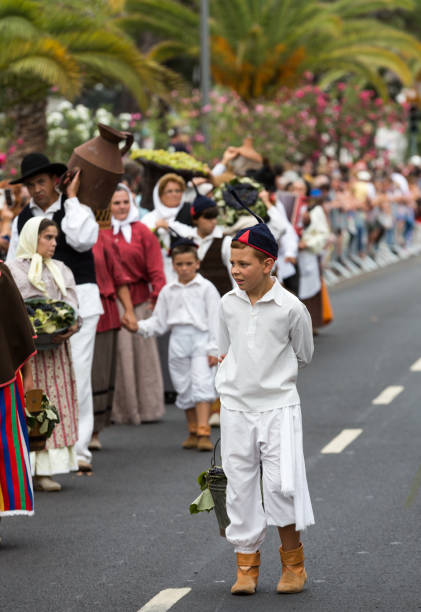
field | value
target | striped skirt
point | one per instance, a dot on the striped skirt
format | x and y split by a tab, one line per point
16	492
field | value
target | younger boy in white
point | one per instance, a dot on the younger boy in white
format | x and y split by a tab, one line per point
189	308
265	333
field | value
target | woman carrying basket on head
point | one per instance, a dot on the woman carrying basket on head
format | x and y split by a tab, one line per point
38	275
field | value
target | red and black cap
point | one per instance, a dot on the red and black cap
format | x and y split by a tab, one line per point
200	204
259	237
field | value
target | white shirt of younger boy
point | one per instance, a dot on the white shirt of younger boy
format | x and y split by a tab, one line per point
195	303
263	346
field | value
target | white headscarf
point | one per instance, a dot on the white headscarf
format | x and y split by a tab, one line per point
162	211
124	225
27	249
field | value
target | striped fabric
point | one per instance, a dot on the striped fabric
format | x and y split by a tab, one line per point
16	492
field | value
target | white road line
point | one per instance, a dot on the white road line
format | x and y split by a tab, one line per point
388	395
164	600
341	441
416	367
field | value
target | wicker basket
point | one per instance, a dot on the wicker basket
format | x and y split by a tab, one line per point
217	482
153	172
103	217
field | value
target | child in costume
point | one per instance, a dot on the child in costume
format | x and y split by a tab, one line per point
189	308
265	333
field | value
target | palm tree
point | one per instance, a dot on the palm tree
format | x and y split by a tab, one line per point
67	49
259	45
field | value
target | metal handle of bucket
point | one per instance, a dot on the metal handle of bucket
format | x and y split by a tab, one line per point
213	462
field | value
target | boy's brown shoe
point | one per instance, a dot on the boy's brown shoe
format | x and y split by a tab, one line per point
247	574
204	443
190	441
294	575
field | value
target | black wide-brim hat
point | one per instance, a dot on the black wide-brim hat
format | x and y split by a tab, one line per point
37	163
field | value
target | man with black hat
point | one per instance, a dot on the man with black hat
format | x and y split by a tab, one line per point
79	232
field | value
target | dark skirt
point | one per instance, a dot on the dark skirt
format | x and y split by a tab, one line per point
314	306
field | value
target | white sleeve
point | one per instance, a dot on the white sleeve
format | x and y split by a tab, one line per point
79	225
276	223
185	231
13	244
219	169
226	252
157	324
223	334
301	334
289	240
317	233
213	299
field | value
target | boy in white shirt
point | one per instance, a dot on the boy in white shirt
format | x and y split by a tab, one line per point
265	333
189	308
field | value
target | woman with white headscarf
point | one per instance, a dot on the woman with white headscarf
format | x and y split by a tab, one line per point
38	275
138	394
169	205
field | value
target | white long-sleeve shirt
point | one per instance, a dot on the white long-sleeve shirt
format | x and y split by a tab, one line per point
263	346
195	303
288	246
81	233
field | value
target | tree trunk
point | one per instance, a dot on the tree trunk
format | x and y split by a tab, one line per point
30	133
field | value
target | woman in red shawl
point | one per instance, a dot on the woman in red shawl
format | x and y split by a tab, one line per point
17	347
139	393
112	282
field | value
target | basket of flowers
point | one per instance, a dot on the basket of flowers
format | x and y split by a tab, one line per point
41	418
231	214
49	318
157	162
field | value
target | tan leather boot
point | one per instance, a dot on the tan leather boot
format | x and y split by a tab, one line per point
294	575
190	441
247	574
203	438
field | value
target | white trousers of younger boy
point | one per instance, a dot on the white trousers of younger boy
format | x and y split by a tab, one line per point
273	438
190	373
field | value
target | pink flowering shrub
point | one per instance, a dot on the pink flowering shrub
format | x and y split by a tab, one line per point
304	123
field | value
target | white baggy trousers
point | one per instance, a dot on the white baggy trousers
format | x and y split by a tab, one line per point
190	373
83	344
274	439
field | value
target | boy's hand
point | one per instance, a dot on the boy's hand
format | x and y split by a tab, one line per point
221	358
212	361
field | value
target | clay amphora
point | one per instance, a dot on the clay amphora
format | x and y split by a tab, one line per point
101	166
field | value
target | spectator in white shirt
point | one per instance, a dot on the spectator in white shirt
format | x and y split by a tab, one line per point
265	333
188	307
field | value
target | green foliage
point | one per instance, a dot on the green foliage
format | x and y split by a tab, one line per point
259	46
46	419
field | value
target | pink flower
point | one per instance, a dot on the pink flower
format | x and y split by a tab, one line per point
365	95
136	116
299	93
222	99
19	141
12	149
3	158
341	86
13	171
54	89
378	102
199	137
312	122
308	75
207	108
174	93
321	102
259	108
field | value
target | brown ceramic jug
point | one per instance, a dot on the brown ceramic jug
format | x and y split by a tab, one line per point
101	166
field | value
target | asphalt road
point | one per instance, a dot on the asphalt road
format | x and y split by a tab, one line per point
114	541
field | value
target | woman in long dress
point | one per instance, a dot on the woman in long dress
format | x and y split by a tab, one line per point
139	394
38	275
17	348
